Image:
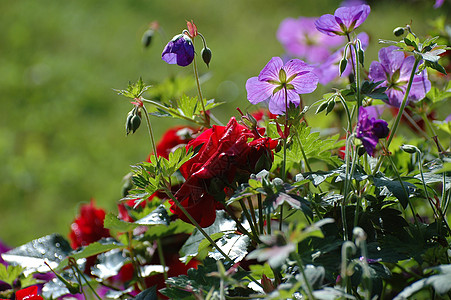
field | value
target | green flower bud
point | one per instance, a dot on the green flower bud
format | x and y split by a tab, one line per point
135	123
206	55
398	31
409	149
321	107
147	38
133	120
343	64
330	106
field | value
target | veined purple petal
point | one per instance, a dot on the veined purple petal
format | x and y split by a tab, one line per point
258	91
295	66
391	59
328	25
179	50
271	70
420	86
305	83
351	14
377	72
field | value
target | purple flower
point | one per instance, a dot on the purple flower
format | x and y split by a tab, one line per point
179	50
344	20
278	82
394	69
369	129
300	38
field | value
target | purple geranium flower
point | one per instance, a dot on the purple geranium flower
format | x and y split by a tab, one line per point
179	50
369	129
300	38
394	69
295	77
344	20
438	3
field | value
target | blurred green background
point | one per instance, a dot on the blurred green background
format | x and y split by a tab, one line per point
62	137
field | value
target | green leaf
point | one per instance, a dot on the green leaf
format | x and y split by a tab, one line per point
148	294
401	191
10	273
134	90
221	226
95	248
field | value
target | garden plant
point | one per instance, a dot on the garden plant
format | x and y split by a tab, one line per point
266	206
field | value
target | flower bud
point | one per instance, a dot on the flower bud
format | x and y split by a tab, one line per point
321	107
343	64
147	38
330	106
206	55
409	149
133	120
398	31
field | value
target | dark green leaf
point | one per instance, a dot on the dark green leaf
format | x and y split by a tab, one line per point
401	190
149	294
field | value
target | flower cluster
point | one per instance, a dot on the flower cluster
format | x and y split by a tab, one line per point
227	155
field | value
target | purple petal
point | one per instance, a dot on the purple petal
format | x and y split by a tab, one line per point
271	70
391	59
258	91
296	66
328	25
420	86
377	72
305	83
395	96
277	103
353	16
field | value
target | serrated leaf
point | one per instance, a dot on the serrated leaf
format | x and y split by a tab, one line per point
10	273
109	264
157	217
112	222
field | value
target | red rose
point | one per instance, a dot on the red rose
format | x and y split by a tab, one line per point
88	226
227	155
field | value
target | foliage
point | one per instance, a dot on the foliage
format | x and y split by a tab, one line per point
291	211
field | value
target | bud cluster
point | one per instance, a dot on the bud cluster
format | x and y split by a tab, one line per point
133	120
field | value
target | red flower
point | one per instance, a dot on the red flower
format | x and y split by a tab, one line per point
88	226
173	138
227	154
29	293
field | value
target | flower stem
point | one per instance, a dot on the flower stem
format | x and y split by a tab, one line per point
260	213
152	138
199	91
404	102
249	219
162	260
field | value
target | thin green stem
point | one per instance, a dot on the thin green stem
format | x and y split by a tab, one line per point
152	138
252	210
249	219
404	102
404	190
260	213
162	260
199	91
304	276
